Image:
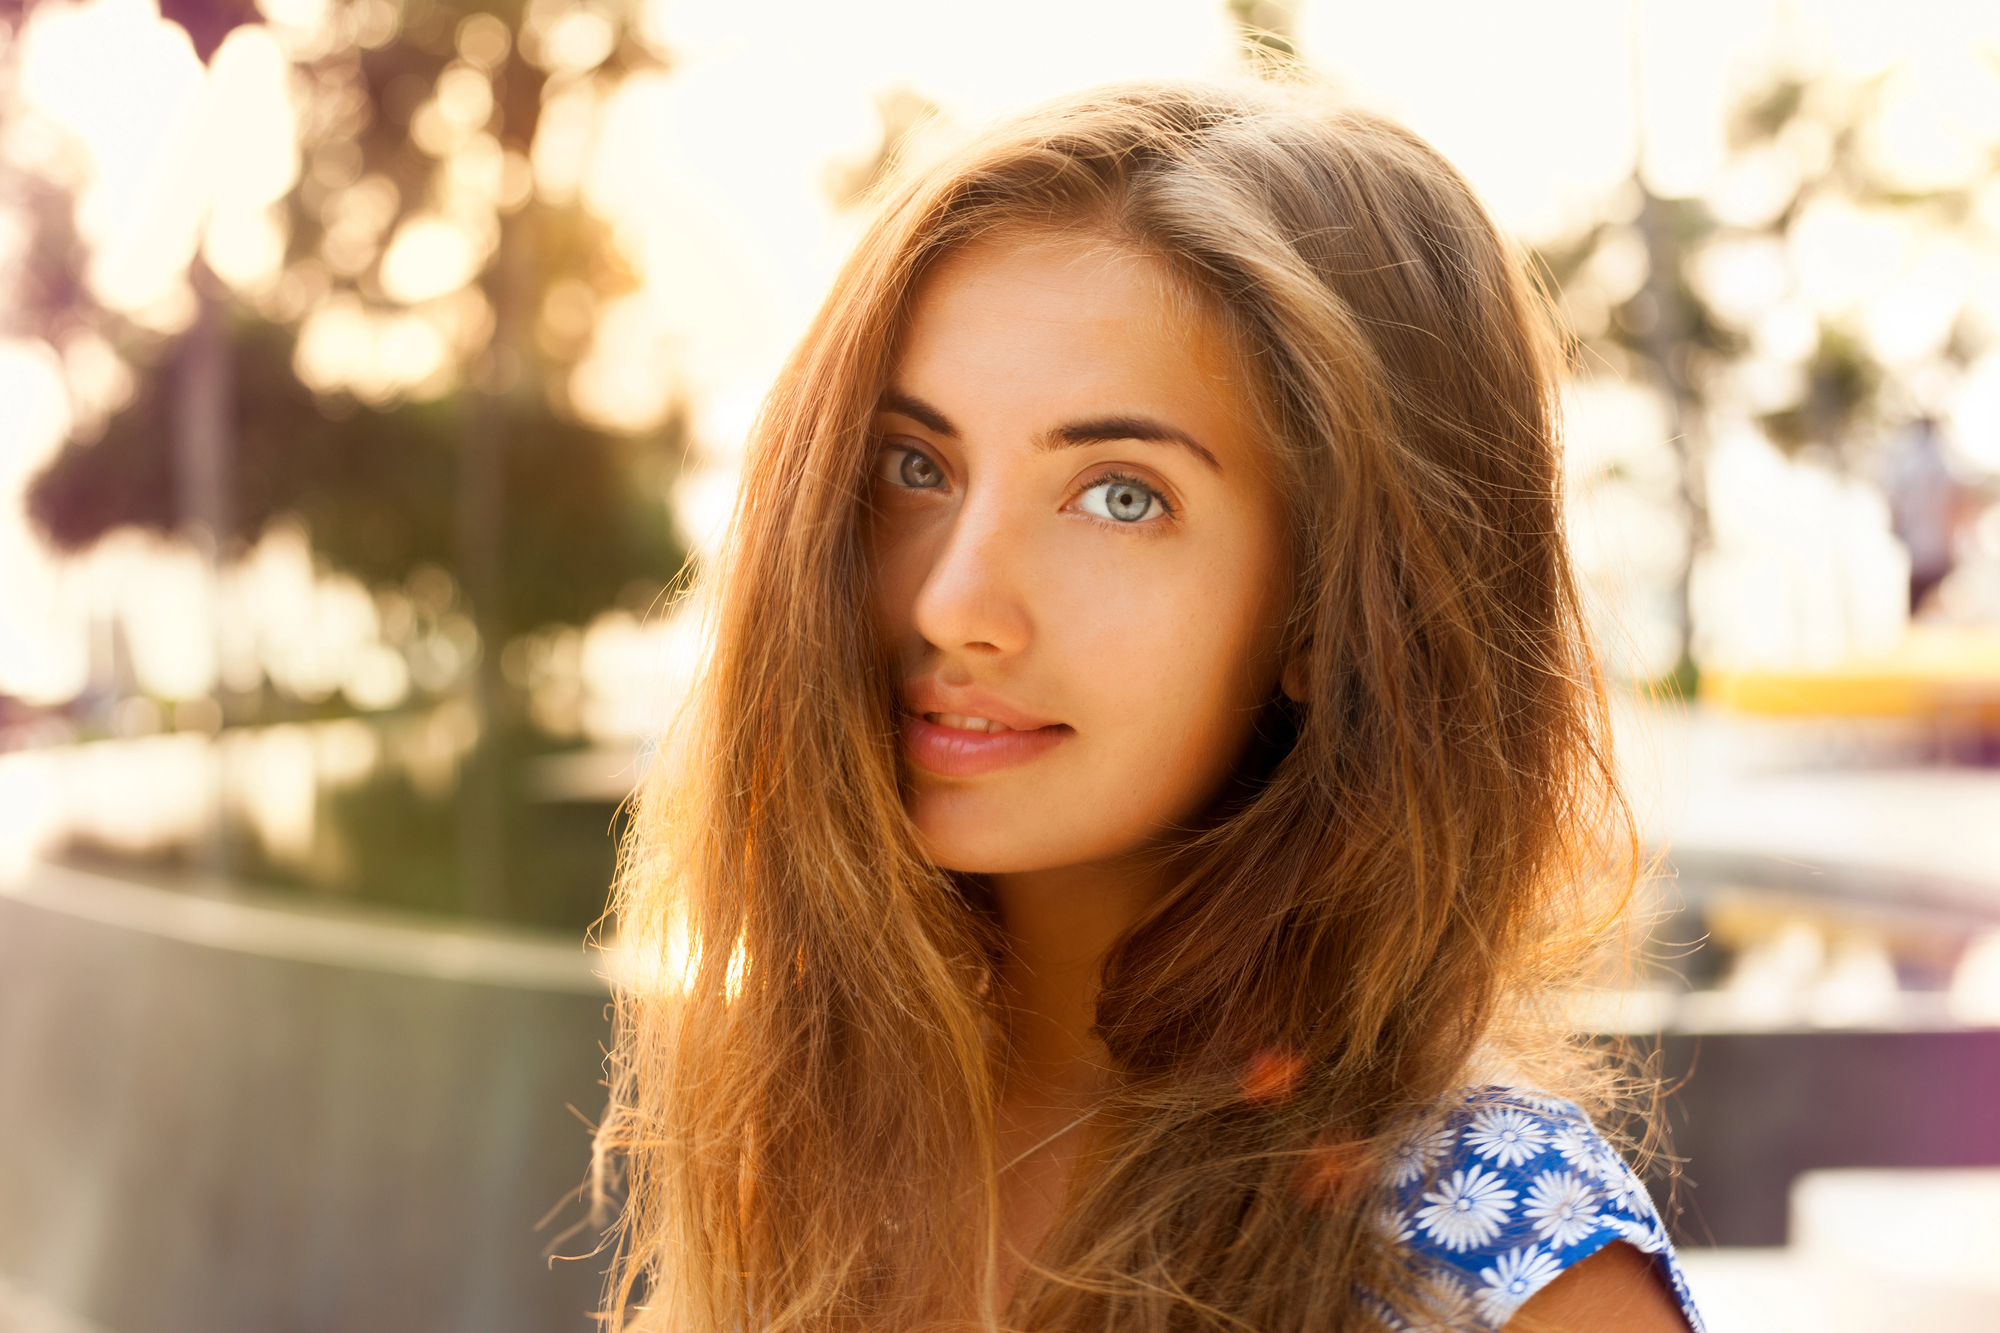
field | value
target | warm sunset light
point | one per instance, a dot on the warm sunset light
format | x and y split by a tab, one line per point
729	236
377	381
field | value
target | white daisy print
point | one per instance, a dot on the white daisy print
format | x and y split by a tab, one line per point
1623	1190
1506	1136
1643	1234
1577	1146
1526	1183
1541	1101
1415	1157
1609	1163
1468	1210
1515	1276
1562	1207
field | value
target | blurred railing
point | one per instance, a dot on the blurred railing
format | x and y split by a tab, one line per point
252	1114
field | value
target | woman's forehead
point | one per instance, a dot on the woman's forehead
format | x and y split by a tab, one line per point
1072	258
1073	303
1081	326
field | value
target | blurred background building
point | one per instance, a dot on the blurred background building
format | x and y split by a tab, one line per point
373	380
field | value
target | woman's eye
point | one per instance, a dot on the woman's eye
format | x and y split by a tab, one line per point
907	467
1123	499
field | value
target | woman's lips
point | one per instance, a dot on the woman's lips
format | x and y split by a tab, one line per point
961	751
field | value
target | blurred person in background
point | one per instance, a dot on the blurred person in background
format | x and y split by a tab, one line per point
1149	770
1923	504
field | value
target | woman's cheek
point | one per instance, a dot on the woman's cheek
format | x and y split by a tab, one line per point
1161	675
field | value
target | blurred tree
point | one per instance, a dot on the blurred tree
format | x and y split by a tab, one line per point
1661	330
416	217
1841	381
1838	401
1796	142
582	520
375	474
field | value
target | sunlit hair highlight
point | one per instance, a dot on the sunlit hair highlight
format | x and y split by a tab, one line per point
805	1060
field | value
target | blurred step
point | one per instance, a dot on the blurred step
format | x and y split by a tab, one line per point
1872	1252
1903	1249
1756	1289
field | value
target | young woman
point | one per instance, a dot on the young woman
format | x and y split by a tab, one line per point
1148	767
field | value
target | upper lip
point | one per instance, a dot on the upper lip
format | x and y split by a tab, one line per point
928	696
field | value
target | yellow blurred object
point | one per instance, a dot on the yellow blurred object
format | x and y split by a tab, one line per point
1935	670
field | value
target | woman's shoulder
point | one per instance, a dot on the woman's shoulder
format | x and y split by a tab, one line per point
1507	1190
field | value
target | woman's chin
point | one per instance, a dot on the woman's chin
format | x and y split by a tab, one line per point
957	834
955	850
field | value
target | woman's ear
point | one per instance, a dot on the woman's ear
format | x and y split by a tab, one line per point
1296	678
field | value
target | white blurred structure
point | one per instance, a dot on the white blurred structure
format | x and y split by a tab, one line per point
152	606
1802	570
1975	987
156	795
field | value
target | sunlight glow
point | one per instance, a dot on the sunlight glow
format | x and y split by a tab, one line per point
1976	413
429	257
44	644
739	967
659	961
382	357
713	172
173	148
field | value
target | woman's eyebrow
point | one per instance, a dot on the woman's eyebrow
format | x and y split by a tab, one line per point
1100	429
917	410
1097	430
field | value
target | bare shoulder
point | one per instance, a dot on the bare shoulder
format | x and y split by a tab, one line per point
1617	1288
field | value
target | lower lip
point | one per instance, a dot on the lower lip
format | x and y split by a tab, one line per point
951	753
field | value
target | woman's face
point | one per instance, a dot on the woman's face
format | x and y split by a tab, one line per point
1079	556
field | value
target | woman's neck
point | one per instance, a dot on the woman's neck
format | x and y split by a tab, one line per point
1060	924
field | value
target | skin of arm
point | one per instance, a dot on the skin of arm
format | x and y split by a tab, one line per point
1616	1290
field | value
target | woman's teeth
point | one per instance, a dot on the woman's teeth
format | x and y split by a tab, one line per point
960	723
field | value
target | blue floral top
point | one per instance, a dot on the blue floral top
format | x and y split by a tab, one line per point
1510	1191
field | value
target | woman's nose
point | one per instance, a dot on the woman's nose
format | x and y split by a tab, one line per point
973	597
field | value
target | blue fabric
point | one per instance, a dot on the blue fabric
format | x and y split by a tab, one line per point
1512	1189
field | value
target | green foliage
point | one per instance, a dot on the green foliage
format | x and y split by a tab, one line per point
391	847
583	513
1841	383
541	518
1760	116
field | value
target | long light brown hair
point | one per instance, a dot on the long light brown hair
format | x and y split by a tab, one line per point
805	1067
